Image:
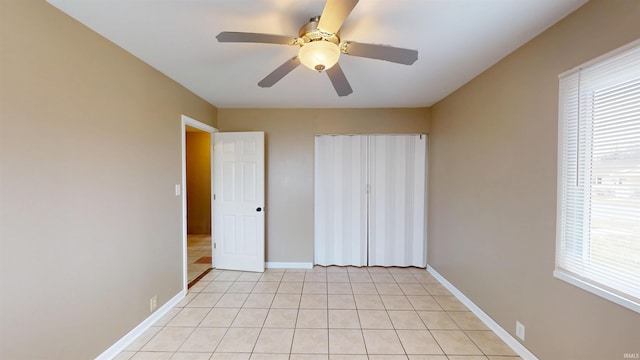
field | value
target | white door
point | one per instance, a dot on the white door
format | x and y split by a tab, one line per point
340	200
238	201
397	214
370	200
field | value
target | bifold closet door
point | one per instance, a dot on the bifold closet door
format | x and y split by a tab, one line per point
340	200
397	221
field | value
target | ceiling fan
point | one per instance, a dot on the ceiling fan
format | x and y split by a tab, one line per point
320	47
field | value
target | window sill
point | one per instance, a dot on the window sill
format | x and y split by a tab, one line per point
629	304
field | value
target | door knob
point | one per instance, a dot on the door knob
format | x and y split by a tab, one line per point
259	209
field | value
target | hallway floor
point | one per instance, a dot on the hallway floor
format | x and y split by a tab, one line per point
322	313
198	255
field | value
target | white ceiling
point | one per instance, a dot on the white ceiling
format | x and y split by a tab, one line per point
456	40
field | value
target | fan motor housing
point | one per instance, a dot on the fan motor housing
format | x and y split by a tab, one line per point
309	32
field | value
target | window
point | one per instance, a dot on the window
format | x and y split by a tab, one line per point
598	227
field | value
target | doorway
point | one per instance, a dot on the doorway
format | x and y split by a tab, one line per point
196	200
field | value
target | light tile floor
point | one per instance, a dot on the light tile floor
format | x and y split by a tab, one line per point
198	246
324	313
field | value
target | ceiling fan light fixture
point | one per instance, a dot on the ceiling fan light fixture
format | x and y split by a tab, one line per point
319	55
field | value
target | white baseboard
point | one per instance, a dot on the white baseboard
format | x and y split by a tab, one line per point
289	265
126	340
486	319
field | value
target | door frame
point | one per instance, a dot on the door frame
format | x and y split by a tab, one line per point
187	121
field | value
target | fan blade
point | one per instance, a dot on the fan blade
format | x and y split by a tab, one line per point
280	72
334	14
382	52
230	36
339	81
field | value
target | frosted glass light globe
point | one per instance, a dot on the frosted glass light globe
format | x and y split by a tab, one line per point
319	55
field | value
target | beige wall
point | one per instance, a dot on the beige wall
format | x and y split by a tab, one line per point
198	151
289	158
90	152
493	191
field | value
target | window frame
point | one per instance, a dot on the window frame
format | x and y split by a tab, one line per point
581	281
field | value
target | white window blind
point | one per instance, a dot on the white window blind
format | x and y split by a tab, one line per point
598	235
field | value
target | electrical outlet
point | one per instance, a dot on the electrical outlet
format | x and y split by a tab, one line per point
153	303
520	330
